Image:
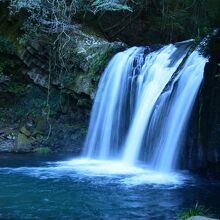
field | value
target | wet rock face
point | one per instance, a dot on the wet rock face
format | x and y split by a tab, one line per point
210	119
202	151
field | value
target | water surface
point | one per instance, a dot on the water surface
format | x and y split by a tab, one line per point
57	187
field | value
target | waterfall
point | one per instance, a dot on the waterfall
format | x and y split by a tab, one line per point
109	116
143	104
181	96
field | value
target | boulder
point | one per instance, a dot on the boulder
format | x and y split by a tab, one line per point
23	143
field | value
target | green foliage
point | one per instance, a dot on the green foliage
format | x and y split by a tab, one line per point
176	19
218	75
6	46
169	20
4	65
198	210
42	150
17	89
212	46
7	49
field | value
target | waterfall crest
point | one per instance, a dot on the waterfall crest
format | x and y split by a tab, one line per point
143	104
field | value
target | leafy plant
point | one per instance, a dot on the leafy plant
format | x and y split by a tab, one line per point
198	210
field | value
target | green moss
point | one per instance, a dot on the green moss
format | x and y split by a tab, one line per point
42	150
99	62
24	131
23	139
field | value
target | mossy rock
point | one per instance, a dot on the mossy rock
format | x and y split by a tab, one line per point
24	131
42	150
41	125
23	143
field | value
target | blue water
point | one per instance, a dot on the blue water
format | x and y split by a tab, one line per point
39	187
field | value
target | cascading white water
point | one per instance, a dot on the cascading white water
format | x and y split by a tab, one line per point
157	72
107	119
143	104
182	97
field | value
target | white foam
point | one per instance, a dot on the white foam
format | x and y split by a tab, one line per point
129	175
115	171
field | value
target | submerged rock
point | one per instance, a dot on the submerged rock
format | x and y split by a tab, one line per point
200	218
